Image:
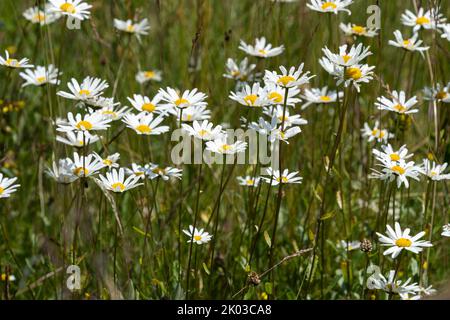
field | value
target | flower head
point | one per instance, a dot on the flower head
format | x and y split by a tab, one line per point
197	236
116	182
14	63
7	186
261	49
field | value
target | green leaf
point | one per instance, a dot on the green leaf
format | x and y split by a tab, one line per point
267	238
327	215
268	287
205	267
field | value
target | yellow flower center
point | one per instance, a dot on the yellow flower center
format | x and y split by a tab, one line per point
189	117
394	157
80	171
39	17
143	128
12	62
130	28
197	238
381	135
235	73
346	58
225	147
399	108
325	98
275	96
118	186
202	132
109	113
433	173
159	171
1	190
67	7
422	20
406	42
358	29
328	5
283	179
250	182
181	101
84	125
251	99
398	169
149	107
41	79
354	73
441	95
84	92
149	74
262	51
107	162
285	80
375	132
404	243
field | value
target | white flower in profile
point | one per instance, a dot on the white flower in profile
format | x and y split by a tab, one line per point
276	177
189	98
438	93
129	26
14	63
197	236
347	58
110	161
375	133
63	172
204	130
445	28
148	75
89	89
397	103
77	139
254	96
112	113
392	286
423	19
275	94
115	181
7	186
261	49
153	171
352	29
85	166
349	245
399	171
411	44
320	96
388	153
446	230
100	102
42	17
77	9
435	171
40	76
248	181
399	240
222	146
288	78
145	104
333	6
88	122
145	124
191	114
137	170
283	116
241	72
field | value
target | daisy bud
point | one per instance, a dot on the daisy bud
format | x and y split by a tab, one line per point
253	278
366	246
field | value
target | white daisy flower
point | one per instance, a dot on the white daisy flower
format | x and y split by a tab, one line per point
40	76
398	103
348	58
112	113
43	17
261	49
319	96
111	160
14	63
445	28
411	44
392	286
352	29
288	79
398	170
148	75
145	104
88	122
7	186
438	93
190	114
389	154
275	177
446	230
137	28
145	124
399	240
348	245
63	172
221	145
77	139
85	166
289	120
275	94
197	236
116	182
153	171
435	171
333	6
248	181
189	98
136	170
101	102
241	72
204	130
375	133
72	8
89	89
253	96
426	20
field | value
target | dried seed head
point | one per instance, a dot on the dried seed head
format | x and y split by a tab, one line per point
366	245
253	278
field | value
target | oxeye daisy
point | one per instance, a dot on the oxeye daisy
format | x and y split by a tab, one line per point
399	240
40	76
289	120
275	94
85	166
204	130
319	96
410	44
375	133
111	160
398	170
7	186
446	230
189	98
101	102
276	177
284	134
348	245
438	93
77	9
197	236
77	139
89	89
423	19
435	171
112	113
190	114
116	182
352	29
43	17
261	49
389	154
333	6
222	146
137	28
14	63
354	75
63	172
378	282
153	171
148	75
241	72
88	122
145	124
288	79
145	104
253	96
248	181
348	58
136	170
445	28
397	103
